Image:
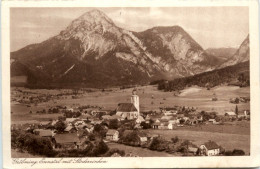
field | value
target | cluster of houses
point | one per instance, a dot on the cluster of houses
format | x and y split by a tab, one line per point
74	134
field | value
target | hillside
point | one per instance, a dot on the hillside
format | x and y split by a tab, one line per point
223	53
241	55
236	75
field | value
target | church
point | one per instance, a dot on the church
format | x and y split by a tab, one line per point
129	111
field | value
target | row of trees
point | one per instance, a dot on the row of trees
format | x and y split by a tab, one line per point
31	143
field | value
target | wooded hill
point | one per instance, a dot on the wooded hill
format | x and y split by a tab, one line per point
238	74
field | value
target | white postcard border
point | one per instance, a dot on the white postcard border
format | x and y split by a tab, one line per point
136	162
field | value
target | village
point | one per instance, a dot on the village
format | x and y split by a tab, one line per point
91	130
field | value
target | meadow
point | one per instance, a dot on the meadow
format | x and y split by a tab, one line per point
226	140
150	99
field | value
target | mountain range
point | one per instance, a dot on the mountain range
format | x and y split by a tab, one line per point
93	52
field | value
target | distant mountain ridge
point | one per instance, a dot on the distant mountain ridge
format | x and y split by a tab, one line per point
93	52
241	55
221	53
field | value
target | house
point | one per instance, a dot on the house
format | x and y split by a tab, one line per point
230	114
70	120
53	123
44	133
169	110
163	125
127	111
170	126
243	114
156	125
106	117
112	135
70	129
212	121
210	148
193	149
174	120
142	137
147	118
139	120
157	121
70	109
79	122
44	123
193	121
67	141
138	126
166	117
151	136
115	117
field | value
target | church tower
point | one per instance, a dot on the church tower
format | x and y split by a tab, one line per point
135	101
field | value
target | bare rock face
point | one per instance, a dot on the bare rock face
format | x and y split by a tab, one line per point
241	55
93	51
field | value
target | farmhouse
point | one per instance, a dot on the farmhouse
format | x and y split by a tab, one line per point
243	114
139	119
156	125
44	133
112	135
142	138
67	141
230	113
210	148
129	110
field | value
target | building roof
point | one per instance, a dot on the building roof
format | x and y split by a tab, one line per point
70	119
44	133
68	128
66	138
210	145
111	132
45	122
156	124
231	113
115	117
126	107
140	118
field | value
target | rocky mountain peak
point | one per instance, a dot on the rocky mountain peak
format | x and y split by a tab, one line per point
96	16
91	22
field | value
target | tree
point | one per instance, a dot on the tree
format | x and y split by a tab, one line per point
145	125
61	118
60	126
113	151
237	152
99	130
175	139
113	124
99	148
158	144
236	110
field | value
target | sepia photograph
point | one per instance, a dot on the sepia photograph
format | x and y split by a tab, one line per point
102	82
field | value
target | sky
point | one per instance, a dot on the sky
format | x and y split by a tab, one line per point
211	27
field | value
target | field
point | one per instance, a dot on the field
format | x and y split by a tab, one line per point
226	140
150	99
